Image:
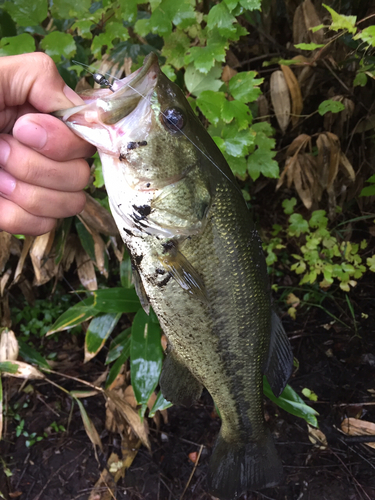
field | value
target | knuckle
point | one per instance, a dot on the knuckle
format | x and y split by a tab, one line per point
45	62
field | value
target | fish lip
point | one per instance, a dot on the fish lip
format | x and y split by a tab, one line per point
126	93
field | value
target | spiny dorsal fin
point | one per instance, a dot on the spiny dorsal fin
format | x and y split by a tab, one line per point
279	364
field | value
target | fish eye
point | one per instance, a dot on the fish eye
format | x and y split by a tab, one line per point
173	119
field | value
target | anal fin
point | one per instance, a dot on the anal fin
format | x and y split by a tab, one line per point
279	364
178	385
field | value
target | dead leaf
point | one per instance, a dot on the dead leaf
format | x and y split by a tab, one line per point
129	450
4	280
28	241
5	242
263	108
89	426
24	370
131	416
317	438
105	487
70	249
356	427
300	34
295	93
98	218
8	345
311	19
280	99
347	167
44	265
228	73
86	270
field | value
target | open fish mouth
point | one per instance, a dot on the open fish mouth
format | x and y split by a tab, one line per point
109	106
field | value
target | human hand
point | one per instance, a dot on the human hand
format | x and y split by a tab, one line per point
42	170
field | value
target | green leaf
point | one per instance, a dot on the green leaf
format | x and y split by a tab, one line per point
197	82
367	35
32	356
318	219
288	206
126	272
297	225
231	4
332	106
146	357
251	4
309	46
204	58
262	162
239	111
86	240
118	345
211	103
244	86
340	22
75	315
169	72
99	330
369	190
237	143
67	9
237	165
15	45
160	404
113	30
57	44
360	79
292	403
117	365
98	172
8	367
83	28
128	9
116	300
61	238
26	12
175	47
221	19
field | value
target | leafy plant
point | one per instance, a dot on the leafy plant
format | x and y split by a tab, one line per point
323	257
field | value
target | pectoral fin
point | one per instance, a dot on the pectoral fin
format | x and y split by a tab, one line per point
184	273
178	385
279	364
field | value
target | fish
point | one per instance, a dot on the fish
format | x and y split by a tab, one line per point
197	260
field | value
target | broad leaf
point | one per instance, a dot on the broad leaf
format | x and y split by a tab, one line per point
99	330
15	45
146	357
292	403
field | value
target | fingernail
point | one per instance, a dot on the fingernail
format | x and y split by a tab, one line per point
7	183
72	96
4	152
31	134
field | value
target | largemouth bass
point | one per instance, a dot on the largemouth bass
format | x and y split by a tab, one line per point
197	260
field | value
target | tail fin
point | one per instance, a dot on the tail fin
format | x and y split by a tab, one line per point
239	467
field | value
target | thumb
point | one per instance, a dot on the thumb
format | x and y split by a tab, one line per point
34	79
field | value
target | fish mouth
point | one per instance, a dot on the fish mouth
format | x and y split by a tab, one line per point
110	106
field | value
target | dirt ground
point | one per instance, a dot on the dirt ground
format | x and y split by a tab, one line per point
336	362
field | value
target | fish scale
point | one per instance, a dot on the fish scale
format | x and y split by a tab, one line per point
197	261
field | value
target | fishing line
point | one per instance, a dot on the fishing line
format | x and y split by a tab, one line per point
106	82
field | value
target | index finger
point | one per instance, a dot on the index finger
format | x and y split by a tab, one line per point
34	78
